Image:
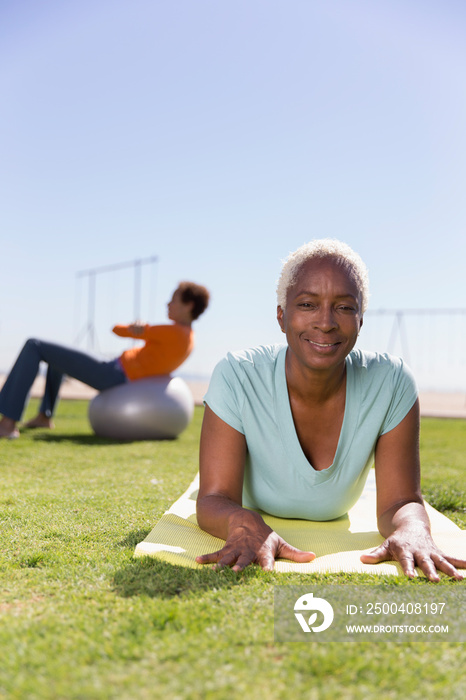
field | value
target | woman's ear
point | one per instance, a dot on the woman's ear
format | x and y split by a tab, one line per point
280	318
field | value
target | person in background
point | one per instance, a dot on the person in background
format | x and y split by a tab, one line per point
292	430
165	348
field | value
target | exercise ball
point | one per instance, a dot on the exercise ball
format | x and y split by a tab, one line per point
155	408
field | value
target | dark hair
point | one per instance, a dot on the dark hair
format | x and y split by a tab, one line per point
190	291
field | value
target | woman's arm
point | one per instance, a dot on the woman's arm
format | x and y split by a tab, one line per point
402	518
221	469
133	330
219	510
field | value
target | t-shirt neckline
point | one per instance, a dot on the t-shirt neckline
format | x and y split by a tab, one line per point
287	428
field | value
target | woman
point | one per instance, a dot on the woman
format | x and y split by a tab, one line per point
165	348
293	430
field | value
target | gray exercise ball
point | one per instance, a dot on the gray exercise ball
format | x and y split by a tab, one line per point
155	408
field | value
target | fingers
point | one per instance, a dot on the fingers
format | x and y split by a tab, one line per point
449	566
211	558
428	567
383	553
429	564
265	558
287	551
377	555
458	563
266	562
226	557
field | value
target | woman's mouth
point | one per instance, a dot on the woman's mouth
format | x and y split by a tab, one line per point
322	345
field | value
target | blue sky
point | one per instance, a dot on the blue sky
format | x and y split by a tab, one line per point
220	136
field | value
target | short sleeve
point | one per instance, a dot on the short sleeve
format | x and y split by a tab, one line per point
404	394
225	394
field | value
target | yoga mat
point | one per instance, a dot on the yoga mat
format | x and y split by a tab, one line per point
338	544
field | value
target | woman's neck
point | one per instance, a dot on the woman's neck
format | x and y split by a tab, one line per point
317	386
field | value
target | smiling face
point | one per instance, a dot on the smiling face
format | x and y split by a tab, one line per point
322	317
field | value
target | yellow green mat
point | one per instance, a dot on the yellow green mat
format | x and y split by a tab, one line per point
338	544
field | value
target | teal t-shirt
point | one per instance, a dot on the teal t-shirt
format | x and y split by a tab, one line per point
248	391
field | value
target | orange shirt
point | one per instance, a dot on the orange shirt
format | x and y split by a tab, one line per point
165	348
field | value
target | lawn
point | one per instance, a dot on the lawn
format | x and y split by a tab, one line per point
80	618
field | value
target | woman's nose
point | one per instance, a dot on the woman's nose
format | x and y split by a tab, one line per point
325	319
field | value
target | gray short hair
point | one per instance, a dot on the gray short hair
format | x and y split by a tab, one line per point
324	248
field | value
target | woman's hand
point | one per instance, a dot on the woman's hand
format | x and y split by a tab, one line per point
251	541
402	517
414	546
137	328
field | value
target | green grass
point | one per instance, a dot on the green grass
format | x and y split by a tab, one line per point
443	463
81	619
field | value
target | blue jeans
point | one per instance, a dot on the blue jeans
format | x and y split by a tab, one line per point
61	360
